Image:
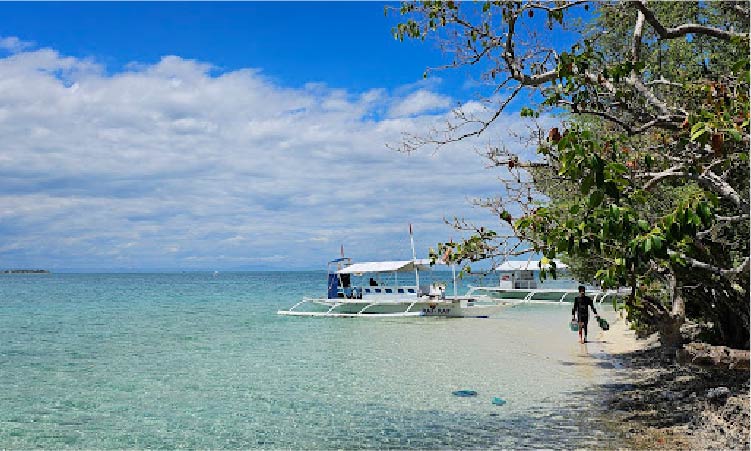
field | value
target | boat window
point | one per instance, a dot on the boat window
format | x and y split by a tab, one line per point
367	290
401	290
377	290
411	290
389	290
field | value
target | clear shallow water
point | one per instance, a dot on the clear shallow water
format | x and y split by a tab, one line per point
191	360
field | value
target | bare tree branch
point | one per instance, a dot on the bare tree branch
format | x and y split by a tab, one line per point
732	218
664	82
712	182
694	263
676	116
682	30
636	42
656	177
513	65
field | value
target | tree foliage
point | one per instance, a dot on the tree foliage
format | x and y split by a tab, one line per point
646	180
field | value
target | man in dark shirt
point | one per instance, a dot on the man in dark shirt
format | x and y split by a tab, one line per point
582	303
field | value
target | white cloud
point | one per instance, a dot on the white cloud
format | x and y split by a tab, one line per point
13	44
419	102
170	165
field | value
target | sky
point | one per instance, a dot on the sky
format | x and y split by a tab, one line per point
224	136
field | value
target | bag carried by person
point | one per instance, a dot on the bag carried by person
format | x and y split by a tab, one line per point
603	324
574	326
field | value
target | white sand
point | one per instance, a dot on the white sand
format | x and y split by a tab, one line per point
620	339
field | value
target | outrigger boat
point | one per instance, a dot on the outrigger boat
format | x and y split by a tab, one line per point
517	284
386	289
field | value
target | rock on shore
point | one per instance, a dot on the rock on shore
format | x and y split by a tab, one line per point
661	403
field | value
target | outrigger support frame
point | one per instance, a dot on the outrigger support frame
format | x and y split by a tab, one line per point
598	297
360	314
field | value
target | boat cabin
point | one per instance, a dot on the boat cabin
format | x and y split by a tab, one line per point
384	280
519	275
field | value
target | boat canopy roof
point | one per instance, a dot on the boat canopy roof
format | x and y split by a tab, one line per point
526	265
393	266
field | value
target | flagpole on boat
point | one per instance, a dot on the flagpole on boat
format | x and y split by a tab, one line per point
414	258
453	275
445	259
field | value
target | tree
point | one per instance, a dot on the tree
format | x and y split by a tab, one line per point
646	181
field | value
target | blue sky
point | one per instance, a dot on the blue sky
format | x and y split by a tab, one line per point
187	136
342	44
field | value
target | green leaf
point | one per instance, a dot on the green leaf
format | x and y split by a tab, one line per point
677	259
647	245
698	134
595	199
740	65
704	212
617	168
523	223
657	242
668	220
615	213
586	184
735	135
694	219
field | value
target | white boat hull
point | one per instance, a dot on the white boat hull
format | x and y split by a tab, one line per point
450	308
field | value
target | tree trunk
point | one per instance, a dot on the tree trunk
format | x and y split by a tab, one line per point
676	297
670	326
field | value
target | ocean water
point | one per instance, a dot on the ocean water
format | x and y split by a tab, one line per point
195	361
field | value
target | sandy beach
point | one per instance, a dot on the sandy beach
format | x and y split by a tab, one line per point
655	402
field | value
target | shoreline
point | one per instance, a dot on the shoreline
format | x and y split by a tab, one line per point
654	402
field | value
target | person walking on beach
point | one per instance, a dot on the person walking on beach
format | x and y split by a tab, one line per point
580	312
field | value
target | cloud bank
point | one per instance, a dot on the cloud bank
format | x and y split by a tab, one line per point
177	165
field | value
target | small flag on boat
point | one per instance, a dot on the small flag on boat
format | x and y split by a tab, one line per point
341	250
410	228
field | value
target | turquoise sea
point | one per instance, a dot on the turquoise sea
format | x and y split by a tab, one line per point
193	360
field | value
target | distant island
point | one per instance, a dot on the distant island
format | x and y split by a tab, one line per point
26	271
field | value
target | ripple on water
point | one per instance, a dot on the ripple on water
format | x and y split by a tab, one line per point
188	360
